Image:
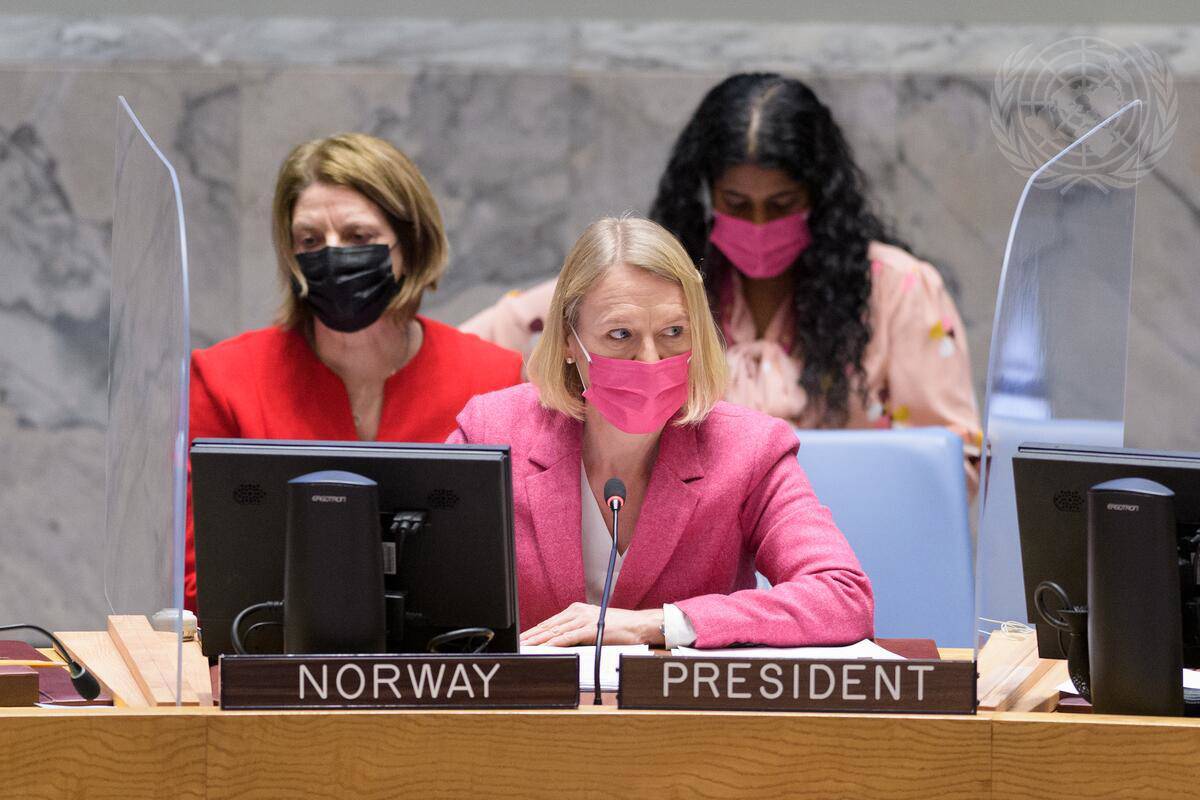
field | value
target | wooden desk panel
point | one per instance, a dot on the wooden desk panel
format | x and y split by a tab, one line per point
195	753
101	755
595	752
1066	757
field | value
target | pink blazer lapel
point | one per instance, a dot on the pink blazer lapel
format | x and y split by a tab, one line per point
554	506
667	511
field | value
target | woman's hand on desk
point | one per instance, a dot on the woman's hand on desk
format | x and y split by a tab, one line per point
577	625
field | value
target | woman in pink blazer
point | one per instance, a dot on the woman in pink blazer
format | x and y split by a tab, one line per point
627	380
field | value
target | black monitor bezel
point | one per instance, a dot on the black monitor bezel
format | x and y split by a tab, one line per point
1069	558
337	452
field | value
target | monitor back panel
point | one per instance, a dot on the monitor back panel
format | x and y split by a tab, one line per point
1052	483
459	572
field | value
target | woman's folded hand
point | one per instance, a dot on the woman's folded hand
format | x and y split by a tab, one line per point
576	625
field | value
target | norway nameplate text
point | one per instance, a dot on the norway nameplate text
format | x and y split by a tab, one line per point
379	681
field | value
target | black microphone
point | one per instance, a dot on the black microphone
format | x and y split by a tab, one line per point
84	682
614	496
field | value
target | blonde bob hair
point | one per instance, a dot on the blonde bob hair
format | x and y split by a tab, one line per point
645	245
378	171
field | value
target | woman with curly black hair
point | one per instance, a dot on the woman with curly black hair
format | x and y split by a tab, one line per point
828	320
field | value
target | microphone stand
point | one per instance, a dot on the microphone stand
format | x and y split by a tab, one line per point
85	683
615	506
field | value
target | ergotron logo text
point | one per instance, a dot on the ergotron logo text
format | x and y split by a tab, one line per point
1122	507
329	498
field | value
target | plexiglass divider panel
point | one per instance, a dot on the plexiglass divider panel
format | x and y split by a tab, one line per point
149	348
1056	370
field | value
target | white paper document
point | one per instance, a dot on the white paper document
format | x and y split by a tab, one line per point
610	659
1191	680
866	649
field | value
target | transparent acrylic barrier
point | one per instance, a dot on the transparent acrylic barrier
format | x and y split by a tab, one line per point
1056	371
147	391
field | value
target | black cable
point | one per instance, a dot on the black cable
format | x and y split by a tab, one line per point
267	624
467	636
245	612
84	682
1039	604
405	524
1049	616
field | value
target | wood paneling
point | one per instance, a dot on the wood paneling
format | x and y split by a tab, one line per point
1067	757
101	755
590	752
153	660
104	660
595	752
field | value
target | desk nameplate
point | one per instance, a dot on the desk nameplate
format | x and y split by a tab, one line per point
18	686
392	681
761	684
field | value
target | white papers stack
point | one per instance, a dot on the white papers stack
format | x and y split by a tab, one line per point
610	658
1191	680
866	649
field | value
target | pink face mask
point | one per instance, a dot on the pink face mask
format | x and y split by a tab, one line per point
761	251
634	396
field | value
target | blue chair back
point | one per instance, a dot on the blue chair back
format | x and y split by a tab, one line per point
900	498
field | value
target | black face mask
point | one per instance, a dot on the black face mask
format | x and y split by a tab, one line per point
348	287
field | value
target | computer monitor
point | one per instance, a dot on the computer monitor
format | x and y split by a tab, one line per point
1052	483
458	572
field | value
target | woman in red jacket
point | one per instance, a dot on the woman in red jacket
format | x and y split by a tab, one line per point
358	240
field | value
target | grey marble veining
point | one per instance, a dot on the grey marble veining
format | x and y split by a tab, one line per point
395	42
52	540
1163	380
610	177
207	141
823	48
54	294
54	284
595	45
149	345
57	130
56	164
950	216
214	41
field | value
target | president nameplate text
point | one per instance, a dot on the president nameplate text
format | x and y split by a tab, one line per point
696	683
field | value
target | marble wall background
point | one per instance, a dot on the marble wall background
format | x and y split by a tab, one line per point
527	131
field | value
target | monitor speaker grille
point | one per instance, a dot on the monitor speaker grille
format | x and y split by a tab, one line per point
442	499
1068	500
248	494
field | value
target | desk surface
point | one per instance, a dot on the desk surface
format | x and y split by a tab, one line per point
592	751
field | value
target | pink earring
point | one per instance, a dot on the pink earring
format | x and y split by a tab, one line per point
570	360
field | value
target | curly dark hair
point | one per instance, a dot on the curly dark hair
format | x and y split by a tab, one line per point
778	123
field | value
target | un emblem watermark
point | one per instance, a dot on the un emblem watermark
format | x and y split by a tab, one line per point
1045	98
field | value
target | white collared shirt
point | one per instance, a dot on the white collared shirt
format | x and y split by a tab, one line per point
597	543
